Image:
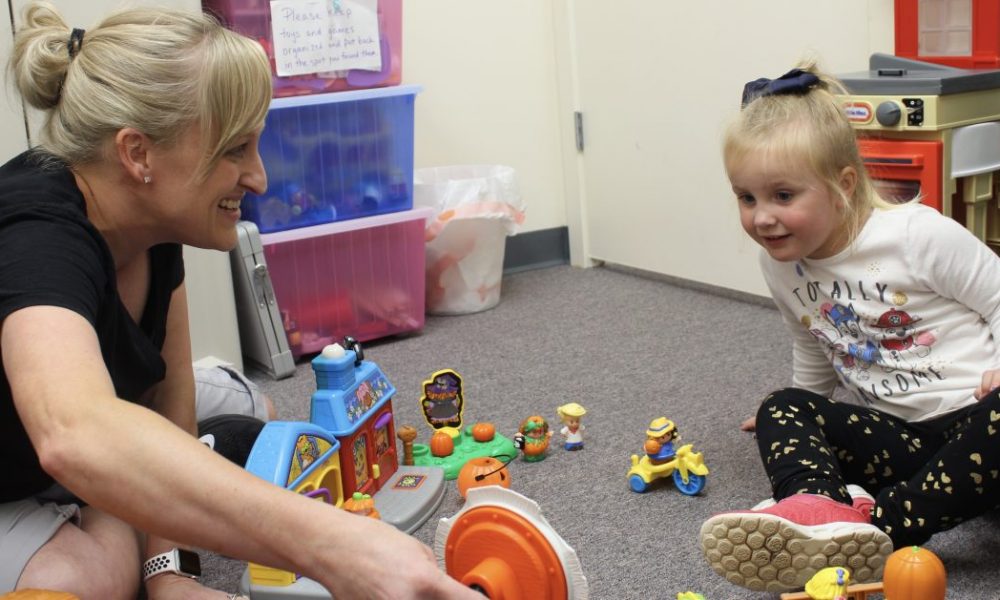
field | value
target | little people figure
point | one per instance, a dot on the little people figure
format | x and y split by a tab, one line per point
570	414
532	438
660	438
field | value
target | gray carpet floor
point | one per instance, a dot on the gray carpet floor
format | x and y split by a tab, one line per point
629	349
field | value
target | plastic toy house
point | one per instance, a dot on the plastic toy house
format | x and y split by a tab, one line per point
348	447
353	401
957	33
300	457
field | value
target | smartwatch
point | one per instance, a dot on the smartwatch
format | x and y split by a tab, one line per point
179	561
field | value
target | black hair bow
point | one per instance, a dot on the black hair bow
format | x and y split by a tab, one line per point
795	81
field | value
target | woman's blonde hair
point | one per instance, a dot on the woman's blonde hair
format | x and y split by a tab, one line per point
809	129
157	70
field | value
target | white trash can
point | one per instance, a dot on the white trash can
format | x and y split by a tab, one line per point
475	208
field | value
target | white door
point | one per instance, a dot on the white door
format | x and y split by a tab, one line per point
656	82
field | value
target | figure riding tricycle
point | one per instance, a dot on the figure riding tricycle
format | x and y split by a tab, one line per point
662	459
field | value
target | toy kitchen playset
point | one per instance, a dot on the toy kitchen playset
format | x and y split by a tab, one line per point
928	119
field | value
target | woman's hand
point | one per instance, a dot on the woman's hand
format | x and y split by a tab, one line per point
176	587
387	563
990	382
750	425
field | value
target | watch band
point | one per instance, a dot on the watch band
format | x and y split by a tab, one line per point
178	561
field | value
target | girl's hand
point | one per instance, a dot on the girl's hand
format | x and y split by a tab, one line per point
750	425
990	382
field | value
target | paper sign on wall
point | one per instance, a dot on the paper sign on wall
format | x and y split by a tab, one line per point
316	36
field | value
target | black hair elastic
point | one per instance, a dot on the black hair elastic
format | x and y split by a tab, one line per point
75	42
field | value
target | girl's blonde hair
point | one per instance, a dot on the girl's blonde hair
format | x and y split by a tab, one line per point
809	129
157	70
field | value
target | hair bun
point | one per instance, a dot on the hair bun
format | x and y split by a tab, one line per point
40	58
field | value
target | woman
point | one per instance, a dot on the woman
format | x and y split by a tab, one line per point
150	142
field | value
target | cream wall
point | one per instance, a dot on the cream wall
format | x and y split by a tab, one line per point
488	69
13	136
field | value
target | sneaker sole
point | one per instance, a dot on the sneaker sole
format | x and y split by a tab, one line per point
767	553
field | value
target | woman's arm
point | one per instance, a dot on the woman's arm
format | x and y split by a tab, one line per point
174	397
134	464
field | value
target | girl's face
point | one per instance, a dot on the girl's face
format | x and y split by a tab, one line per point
788	210
204	213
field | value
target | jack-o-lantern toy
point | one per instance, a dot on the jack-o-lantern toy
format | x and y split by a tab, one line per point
482	471
914	573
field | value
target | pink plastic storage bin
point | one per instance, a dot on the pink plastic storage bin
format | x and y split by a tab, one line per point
252	18
363	278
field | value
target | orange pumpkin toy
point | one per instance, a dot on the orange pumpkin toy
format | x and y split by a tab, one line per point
482	471
914	573
483	432
442	444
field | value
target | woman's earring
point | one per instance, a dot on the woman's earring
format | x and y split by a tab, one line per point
147	179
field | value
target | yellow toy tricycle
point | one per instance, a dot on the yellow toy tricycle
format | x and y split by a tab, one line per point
687	467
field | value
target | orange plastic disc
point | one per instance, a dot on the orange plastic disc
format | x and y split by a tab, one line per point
504	555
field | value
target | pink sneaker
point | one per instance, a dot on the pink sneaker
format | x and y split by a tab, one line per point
780	547
860	499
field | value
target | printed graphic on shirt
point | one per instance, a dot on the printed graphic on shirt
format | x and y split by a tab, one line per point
875	344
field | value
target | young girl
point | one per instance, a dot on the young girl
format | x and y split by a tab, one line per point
896	303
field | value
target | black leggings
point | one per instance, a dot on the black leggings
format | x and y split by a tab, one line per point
926	477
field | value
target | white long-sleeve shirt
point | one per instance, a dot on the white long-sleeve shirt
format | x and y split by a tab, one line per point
907	318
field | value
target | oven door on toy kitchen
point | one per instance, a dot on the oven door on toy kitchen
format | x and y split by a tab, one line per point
903	170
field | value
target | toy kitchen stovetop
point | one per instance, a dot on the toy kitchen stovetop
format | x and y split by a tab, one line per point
933	130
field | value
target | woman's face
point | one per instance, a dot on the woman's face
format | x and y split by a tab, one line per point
204	213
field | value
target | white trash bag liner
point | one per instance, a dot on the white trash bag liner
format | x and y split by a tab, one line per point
475	208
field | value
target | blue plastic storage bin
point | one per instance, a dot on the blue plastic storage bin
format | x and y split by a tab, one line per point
333	157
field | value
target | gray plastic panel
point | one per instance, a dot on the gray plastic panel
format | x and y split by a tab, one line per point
262	333
892	75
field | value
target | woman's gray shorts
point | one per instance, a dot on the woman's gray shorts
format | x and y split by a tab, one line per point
27	525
